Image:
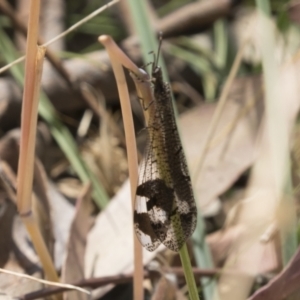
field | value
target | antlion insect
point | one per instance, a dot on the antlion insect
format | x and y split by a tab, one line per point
165	209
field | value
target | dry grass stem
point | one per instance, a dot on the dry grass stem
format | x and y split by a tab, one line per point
33	71
115	53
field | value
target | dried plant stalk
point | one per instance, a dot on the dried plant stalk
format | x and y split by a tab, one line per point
33	71
116	55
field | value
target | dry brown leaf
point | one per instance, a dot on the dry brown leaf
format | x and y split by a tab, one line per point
73	269
294	11
62	217
23	249
41	205
232	152
284	284
166	290
220	243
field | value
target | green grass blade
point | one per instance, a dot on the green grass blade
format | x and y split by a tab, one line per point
221	43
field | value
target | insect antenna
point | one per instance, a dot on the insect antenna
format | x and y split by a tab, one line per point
158	50
156	56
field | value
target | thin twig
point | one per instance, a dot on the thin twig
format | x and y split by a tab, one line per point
94	283
64	286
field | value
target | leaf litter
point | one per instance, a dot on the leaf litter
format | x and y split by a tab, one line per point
107	247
